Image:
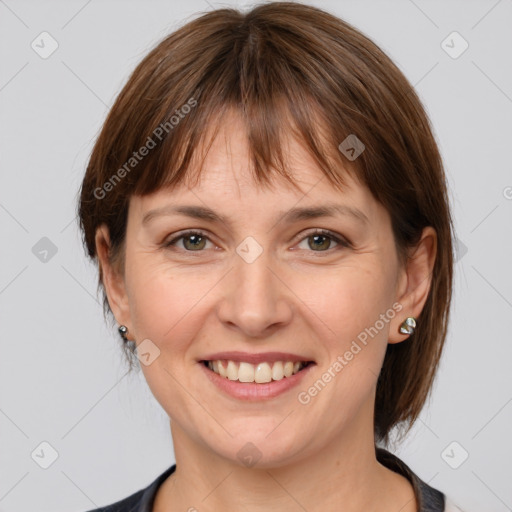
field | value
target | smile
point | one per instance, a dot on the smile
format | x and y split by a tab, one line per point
260	373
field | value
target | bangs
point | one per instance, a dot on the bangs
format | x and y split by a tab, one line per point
270	121
254	68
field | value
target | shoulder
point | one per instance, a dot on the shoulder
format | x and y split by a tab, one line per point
140	501
129	504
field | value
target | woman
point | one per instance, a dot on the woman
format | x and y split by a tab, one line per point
268	210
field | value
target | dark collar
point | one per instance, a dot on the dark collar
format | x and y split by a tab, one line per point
428	498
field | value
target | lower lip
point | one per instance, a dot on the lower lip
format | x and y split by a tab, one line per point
253	391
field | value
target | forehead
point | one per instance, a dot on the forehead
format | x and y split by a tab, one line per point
226	181
228	159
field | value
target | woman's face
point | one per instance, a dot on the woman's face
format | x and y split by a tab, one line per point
259	288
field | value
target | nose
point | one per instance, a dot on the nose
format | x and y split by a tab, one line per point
255	300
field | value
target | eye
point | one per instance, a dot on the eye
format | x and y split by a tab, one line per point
321	240
318	240
193	241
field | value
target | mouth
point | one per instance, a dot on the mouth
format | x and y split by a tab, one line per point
262	372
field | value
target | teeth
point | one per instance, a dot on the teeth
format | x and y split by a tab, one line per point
288	368
221	370
260	373
263	373
277	371
245	372
232	371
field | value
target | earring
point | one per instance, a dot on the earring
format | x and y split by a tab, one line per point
123	331
408	326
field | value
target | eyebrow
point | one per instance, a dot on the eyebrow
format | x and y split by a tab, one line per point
289	216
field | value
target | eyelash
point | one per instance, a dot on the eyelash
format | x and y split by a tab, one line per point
342	242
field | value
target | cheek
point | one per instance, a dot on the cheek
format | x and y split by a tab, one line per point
165	307
345	314
164	301
348	302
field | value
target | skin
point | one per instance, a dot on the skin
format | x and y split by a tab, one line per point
293	298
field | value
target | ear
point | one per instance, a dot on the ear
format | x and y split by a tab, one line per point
414	283
113	280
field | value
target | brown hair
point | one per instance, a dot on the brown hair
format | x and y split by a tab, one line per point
285	66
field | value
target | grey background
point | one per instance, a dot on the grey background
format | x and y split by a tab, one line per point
62	378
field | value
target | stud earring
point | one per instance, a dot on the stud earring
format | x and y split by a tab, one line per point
123	331
408	326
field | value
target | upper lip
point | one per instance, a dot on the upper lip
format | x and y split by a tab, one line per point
261	357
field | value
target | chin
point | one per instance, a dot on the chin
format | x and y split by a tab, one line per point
261	448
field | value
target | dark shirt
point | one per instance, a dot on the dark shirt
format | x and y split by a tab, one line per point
428	498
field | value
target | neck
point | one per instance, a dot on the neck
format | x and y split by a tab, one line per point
345	471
